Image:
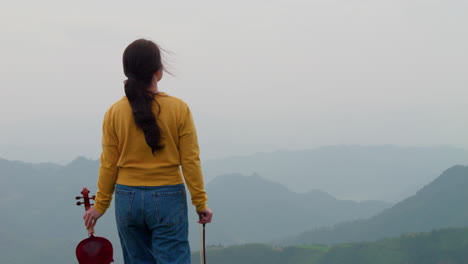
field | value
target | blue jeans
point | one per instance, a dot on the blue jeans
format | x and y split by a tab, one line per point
152	224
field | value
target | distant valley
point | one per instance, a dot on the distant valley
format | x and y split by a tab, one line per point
253	209
440	204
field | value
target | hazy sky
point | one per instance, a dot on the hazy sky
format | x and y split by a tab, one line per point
258	75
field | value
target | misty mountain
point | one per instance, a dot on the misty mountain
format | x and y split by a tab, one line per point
253	209
387	173
440	204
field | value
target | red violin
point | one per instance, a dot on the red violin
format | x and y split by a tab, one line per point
93	250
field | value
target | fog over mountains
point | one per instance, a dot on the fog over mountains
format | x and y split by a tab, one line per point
387	173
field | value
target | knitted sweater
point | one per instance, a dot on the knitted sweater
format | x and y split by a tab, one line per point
126	158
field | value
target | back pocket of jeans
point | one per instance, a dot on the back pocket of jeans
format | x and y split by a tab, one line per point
171	207
123	205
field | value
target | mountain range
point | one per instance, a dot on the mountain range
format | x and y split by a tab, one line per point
37	204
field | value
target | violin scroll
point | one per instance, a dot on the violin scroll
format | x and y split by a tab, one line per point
86	198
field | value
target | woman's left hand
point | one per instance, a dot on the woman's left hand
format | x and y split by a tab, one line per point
90	217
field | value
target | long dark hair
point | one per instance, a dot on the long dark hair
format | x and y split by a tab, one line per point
141	59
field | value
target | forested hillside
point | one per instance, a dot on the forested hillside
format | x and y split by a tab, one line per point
448	246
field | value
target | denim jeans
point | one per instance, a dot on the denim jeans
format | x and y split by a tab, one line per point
152	224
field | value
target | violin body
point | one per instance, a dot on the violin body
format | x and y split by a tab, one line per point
94	250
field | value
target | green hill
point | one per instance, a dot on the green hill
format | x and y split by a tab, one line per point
447	246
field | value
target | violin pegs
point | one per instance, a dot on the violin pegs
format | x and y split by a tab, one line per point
78	197
79	203
94	197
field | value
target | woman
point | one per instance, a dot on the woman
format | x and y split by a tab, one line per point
147	136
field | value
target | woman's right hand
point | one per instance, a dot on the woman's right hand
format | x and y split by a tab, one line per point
205	216
90	217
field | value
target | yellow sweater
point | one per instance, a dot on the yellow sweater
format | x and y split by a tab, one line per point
126	158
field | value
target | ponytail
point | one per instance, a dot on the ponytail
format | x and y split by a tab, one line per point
141	60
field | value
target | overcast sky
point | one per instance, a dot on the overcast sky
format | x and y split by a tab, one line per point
259	75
